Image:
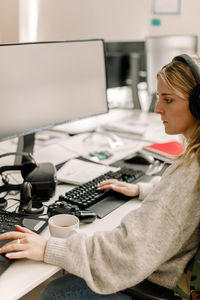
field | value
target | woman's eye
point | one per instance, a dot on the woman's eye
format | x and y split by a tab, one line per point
168	100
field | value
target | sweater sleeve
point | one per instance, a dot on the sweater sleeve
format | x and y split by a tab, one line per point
147	187
147	237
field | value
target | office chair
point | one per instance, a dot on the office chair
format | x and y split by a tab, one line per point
147	290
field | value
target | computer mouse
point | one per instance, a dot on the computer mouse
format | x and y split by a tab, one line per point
140	158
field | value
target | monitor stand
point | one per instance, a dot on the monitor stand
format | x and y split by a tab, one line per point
25	144
134	74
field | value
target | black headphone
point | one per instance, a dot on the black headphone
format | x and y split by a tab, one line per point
27	205
194	98
26	168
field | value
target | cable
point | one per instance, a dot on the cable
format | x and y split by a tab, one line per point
27	155
26	214
5	178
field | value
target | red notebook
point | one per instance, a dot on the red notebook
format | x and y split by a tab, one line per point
173	148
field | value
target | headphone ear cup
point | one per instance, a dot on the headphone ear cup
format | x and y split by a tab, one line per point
26	192
27	204
3	203
194	102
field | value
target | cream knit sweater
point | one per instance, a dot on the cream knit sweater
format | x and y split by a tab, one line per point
154	241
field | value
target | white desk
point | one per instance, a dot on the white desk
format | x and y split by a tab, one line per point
25	275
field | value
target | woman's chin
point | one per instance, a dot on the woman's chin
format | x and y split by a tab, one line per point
170	132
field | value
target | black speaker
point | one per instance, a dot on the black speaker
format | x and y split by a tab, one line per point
194	98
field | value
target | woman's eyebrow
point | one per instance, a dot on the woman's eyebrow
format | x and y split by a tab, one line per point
166	94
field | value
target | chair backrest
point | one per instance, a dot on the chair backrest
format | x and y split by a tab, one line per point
188	286
147	290
189	282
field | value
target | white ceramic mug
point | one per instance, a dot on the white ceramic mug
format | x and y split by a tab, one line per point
63	225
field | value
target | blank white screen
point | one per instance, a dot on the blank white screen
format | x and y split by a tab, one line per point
45	84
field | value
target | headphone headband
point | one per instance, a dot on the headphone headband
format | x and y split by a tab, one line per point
191	64
194	97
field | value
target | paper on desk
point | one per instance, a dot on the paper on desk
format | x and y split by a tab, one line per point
54	153
77	171
129	127
77	144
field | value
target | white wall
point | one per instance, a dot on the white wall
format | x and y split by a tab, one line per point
188	22
113	20
8	21
78	19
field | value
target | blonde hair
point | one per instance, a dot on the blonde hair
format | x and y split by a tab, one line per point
178	76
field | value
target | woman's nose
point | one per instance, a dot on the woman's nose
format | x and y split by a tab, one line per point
158	108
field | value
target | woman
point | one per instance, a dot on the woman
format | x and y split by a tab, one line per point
155	241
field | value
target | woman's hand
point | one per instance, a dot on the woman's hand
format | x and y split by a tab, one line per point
25	244
127	189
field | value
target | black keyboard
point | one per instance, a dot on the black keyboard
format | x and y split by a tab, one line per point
87	196
8	220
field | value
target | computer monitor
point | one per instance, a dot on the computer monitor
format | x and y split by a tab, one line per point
125	63
44	84
118	62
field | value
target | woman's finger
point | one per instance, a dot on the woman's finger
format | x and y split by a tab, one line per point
18	241
109	181
10	247
16	255
113	183
106	187
114	187
125	188
14	235
23	229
